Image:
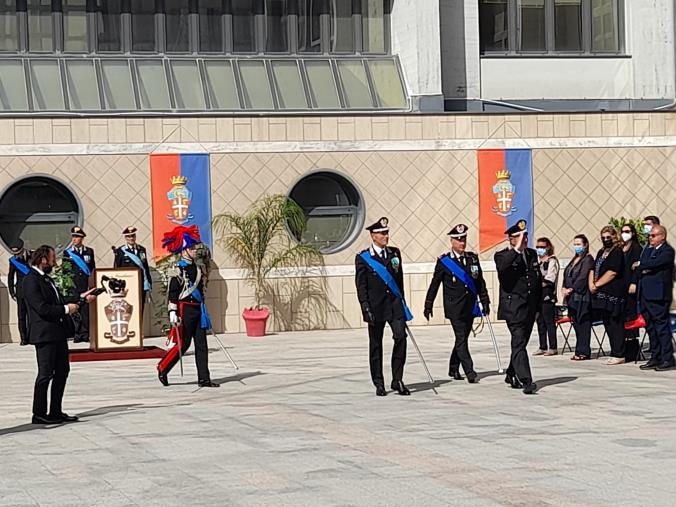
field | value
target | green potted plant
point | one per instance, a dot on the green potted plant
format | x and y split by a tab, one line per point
617	223
261	240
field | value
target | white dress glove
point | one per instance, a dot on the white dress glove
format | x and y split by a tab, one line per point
173	318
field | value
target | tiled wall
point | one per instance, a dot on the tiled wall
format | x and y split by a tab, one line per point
618	164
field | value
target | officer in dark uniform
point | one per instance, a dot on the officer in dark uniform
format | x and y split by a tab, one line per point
520	291
82	264
19	267
133	255
379	305
460	300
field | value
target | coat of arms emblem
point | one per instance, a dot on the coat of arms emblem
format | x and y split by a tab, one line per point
504	191
180	197
119	312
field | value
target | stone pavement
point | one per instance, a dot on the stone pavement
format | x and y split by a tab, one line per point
299	424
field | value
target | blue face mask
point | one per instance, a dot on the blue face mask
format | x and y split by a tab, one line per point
541	252
579	250
647	228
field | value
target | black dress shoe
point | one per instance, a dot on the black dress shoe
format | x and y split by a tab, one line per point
65	417
530	388
23	342
513	381
472	378
81	340
380	391
399	386
208	383
650	365
455	375
665	367
163	378
46	419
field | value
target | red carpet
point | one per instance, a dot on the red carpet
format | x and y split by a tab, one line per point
80	355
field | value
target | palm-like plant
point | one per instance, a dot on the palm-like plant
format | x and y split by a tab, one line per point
260	240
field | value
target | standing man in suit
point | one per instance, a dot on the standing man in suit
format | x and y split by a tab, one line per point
460	273
656	275
380	287
49	327
19	267
83	264
520	292
133	255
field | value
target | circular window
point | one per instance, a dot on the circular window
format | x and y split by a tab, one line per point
334	209
39	210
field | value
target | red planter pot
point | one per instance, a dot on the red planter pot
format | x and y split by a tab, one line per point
255	321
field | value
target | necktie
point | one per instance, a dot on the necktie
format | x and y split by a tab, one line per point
382	254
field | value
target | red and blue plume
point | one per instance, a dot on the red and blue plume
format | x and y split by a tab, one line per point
181	238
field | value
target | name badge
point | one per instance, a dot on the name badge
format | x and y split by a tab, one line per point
475	271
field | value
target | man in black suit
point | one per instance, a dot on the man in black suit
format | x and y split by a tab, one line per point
380	304
82	263
49	327
133	255
520	290
19	267
460	273
656	275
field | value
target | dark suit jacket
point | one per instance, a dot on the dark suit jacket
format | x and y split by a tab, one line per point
47	318
122	261
520	284
15	277
656	272
79	277
458	301
372	291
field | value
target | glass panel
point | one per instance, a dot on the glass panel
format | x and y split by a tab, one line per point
187	85
75	26
342	28
309	27
177	22
118	90
242	26
221	85
40	25
47	89
355	84
322	85
83	90
108	25
387	82
568	25
290	88
13	86
143	25
256	87
373	25
211	27
605	26
531	15
152	85
276	29
9	38
493	25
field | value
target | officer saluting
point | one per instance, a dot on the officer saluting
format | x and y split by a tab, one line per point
19	267
81	259
380	285
520	286
133	255
460	273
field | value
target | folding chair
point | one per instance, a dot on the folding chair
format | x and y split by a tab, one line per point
565	332
596	336
638	323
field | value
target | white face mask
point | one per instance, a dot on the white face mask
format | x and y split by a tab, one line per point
626	236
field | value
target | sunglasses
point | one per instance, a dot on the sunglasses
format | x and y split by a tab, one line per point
606	237
655	234
627	231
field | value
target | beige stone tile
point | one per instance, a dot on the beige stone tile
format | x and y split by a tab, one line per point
152	130
496	126
329	126
242	130
362	128
277	131
117	130
578	128
625	125
512	127
260	129
641	127
593	127
346	129
23	132
609	127
545	128
430	126
79	131
234	324
171	130
189	130
380	129
42	131
294	129
61	134
529	126
136	133
397	130
414	130
312	129
657	124
463	127
6	131
224	129
447	129
670	125
207	130
480	129
561	126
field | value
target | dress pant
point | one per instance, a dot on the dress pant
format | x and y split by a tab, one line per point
53	366
547	326
191	315
659	331
376	330
582	327
460	354
518	363
82	324
22	316
614	326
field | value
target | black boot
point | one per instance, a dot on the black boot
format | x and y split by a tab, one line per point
399	386
472	377
455	374
529	387
208	383
380	390
513	381
163	378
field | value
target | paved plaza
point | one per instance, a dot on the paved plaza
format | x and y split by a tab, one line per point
299	424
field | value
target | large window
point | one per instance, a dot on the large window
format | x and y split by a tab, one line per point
75	26
143	26
211	21
40	25
177	23
39	210
551	26
9	28
109	25
334	209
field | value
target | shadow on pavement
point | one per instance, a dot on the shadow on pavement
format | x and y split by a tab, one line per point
553	381
426	386
485	374
239	377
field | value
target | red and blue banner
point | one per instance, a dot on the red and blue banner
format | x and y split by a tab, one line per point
181	195
505	193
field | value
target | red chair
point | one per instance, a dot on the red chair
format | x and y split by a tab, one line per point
566	333
638	323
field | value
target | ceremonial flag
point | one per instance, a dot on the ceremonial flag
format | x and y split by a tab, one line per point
505	193
181	195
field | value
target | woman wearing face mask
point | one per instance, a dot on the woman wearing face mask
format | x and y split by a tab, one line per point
546	319
577	296
608	288
632	253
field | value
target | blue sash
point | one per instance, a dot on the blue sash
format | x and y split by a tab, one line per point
385	275
136	260
20	266
462	275
205	321
79	261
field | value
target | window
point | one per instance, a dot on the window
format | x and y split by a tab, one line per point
276	27
373	25
255	85
9	35
108	25
152	85
322	84
177	23
334	209
143	25
243	32
47	89
221	85
83	92
118	89
39	210
551	26
187	85
309	26
290	90
211	25
355	84
387	83
75	26
13	95
342	27
40	25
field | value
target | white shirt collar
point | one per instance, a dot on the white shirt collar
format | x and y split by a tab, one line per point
38	270
456	254
377	249
658	246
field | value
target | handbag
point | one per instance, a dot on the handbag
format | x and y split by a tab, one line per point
637	323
